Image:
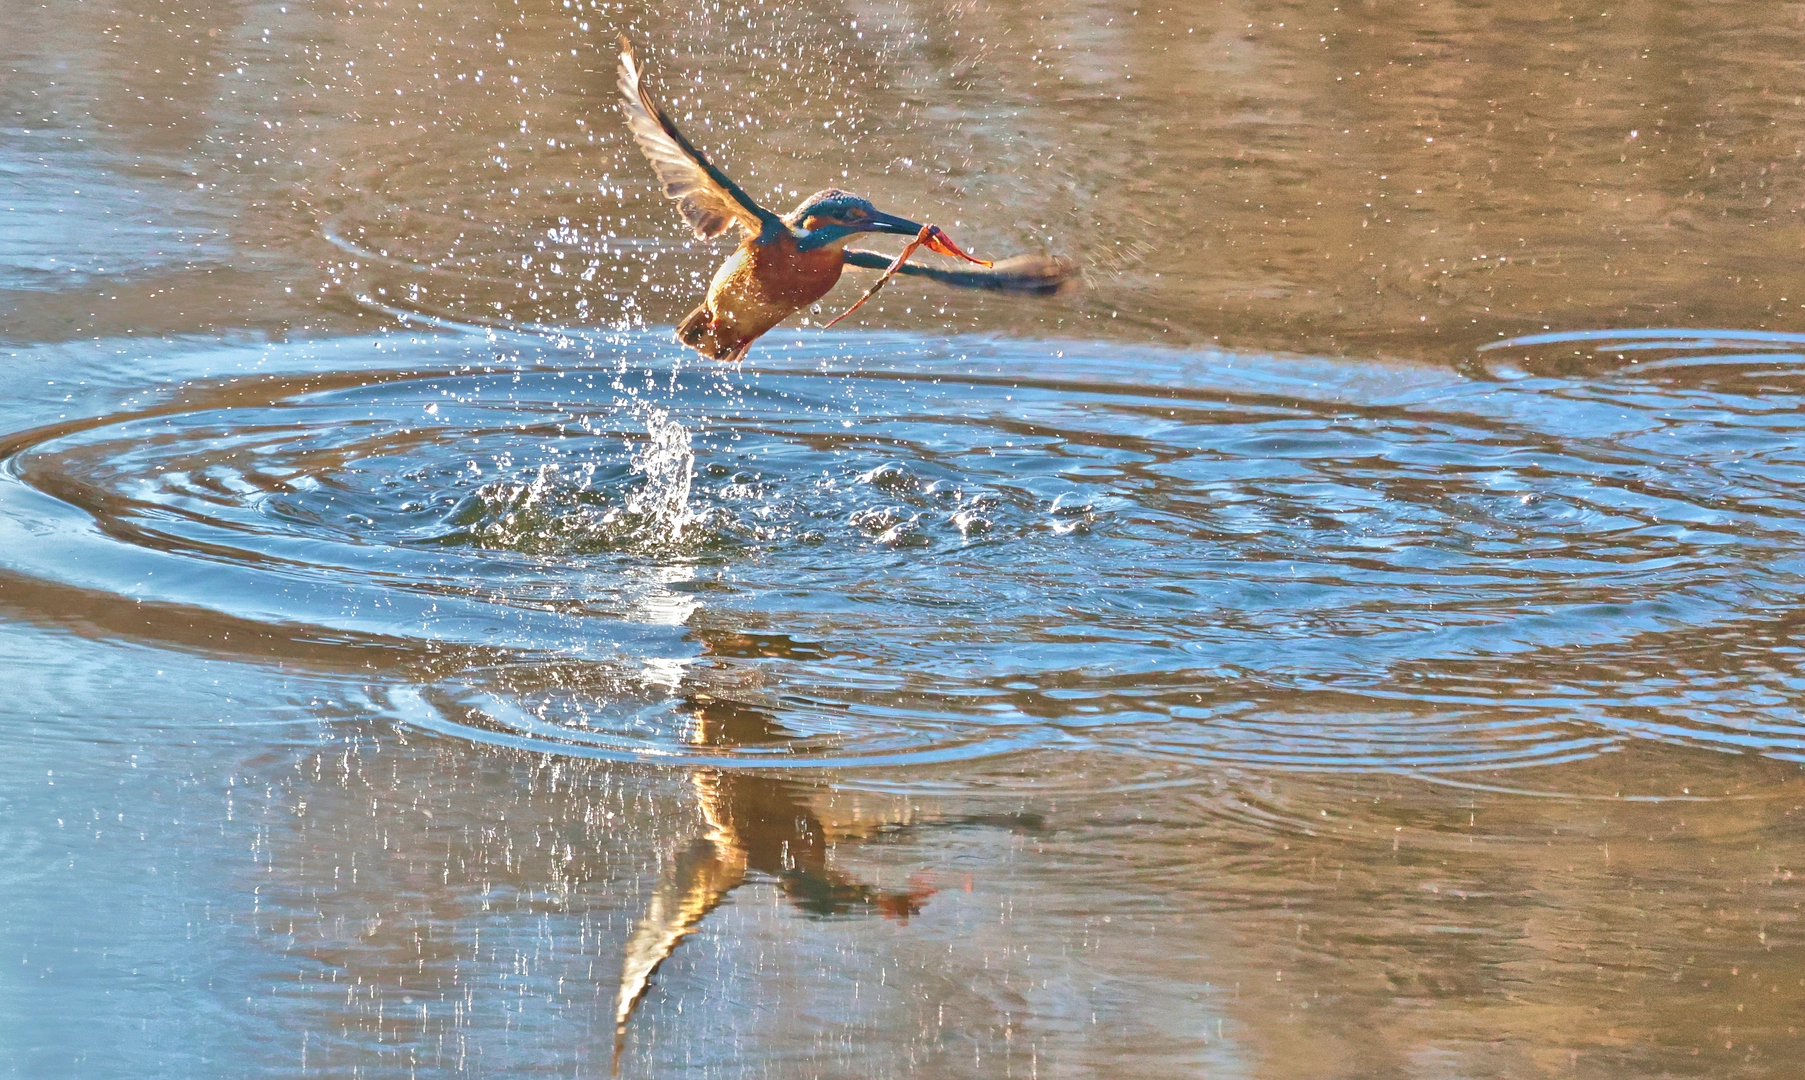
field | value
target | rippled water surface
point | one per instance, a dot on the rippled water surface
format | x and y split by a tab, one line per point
1353	634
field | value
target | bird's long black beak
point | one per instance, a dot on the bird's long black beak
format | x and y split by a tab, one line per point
890	223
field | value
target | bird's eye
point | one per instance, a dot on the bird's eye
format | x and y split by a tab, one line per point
856	213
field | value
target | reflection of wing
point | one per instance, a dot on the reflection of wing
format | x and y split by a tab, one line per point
1035	275
695	886
709	201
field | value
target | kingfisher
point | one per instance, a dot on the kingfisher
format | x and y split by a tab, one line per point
785	263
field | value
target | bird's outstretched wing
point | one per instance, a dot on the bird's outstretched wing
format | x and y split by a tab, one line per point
1033	275
708	200
693	886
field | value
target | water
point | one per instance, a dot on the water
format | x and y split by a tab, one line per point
1338	641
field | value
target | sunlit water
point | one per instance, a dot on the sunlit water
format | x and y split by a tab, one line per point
971	547
1339	640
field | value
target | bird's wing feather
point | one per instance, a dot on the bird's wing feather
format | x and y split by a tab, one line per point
693	886
708	200
1035	275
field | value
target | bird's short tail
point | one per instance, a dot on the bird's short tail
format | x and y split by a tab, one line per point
698	332
696	329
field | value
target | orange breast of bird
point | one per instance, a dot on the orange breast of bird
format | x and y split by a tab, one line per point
761	285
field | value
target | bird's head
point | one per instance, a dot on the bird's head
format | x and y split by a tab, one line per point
831	217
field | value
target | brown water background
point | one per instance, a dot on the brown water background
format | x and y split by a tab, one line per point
1239	667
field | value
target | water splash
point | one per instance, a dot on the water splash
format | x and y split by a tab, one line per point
1281	566
668	462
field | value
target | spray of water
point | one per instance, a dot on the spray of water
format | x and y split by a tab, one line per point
667	462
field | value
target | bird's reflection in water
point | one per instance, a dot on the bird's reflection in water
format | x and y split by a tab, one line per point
777	829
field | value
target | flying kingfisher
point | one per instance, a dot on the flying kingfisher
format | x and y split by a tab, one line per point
787	263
